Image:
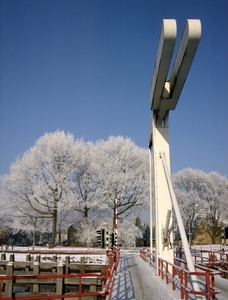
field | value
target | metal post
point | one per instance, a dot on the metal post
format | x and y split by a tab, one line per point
188	255
151	206
116	221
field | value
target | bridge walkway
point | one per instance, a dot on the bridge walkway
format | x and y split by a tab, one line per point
136	280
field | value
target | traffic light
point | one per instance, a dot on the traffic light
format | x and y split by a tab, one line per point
106	238
101	238
115	239
112	240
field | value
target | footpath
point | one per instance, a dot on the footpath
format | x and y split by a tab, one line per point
137	280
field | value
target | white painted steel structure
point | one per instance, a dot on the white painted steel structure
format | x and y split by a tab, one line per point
164	94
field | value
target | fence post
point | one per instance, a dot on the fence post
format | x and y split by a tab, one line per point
166	272
11	258
9	283
67	265
173	278
181	283
159	266
36	272
226	268
54	258
3	256
83	264
28	257
37	258
59	281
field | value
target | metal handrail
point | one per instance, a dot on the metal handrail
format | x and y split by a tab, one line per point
180	277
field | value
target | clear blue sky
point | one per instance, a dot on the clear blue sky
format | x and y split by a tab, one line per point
85	67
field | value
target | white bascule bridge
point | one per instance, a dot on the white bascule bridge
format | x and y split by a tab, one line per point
164	96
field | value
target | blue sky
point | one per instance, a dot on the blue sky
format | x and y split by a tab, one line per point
85	67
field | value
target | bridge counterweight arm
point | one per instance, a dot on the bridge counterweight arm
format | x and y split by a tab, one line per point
165	92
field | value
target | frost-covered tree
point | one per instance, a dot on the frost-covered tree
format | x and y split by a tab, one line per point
123	172
128	232
146	236
215	203
58	179
84	183
2	234
138	222
39	181
86	234
189	186
203	198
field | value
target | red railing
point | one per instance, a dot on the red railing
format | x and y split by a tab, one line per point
146	255
212	259
106	277
180	276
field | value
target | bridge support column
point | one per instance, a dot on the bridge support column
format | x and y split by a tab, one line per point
163	203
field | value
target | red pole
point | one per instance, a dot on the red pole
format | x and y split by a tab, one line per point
166	273
181	283
116	221
80	287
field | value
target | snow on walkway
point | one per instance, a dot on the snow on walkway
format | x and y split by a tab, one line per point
136	280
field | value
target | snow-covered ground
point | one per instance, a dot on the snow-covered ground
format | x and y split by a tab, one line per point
89	255
137	280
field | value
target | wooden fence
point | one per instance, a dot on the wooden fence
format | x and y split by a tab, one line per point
52	280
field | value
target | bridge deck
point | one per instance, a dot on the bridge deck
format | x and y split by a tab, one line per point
136	280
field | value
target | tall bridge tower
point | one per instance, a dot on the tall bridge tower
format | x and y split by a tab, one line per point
164	95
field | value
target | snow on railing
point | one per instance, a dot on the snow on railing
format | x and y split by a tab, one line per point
180	276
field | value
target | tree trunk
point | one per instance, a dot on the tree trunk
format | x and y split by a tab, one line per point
34	237
86	210
54	223
59	238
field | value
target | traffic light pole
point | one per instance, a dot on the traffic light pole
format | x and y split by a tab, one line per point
115	231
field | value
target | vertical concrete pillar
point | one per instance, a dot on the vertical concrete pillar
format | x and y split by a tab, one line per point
3	256
11	258
67	264
163	201
9	283
60	281
37	258
36	267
